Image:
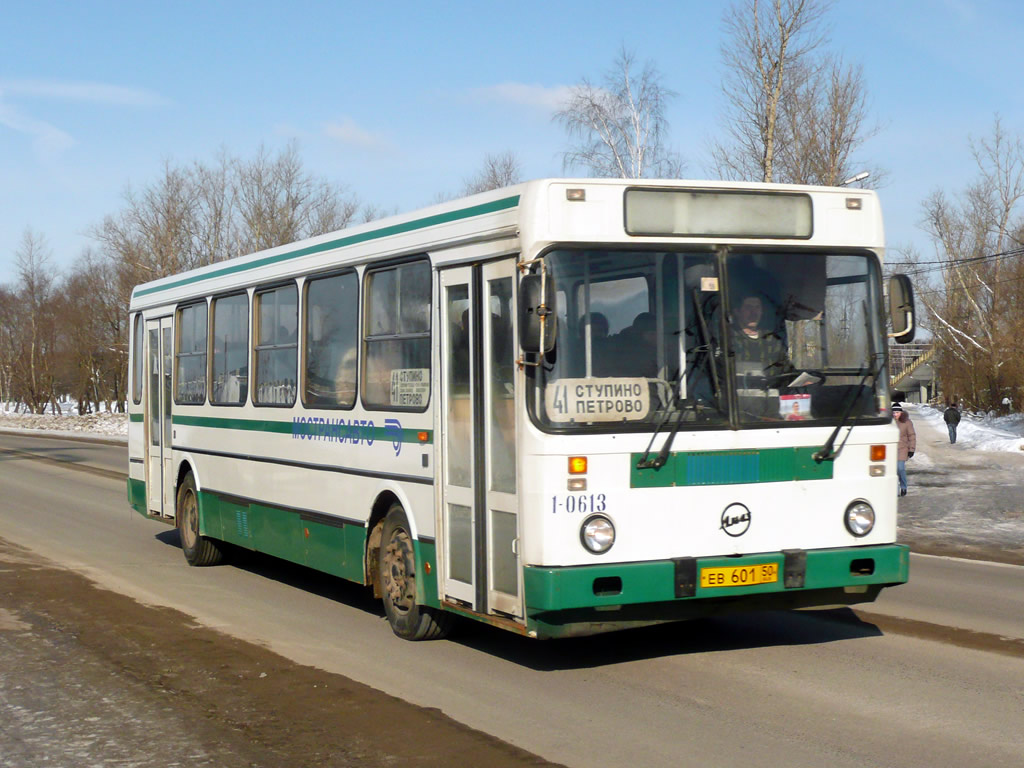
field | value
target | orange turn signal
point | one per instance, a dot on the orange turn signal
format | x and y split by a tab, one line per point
422	436
878	453
577	465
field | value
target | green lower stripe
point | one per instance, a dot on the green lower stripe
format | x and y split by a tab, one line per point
311	430
765	465
137	495
336	549
562	589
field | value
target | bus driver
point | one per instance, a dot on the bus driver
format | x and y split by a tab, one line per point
756	352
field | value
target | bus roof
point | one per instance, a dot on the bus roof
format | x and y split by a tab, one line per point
528	216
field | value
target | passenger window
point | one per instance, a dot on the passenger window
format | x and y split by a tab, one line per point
277	315
230	383
190	378
331	317
397	337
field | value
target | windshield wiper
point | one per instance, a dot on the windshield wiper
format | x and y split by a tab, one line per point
826	452
659	461
708	350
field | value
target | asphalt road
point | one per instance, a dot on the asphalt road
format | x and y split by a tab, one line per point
932	675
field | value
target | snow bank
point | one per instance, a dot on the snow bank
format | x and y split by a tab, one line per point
980	432
109	425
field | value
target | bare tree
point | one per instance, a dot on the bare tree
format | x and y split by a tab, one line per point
205	213
280	202
619	128
35	343
502	170
9	333
824	122
977	240
768	57
94	348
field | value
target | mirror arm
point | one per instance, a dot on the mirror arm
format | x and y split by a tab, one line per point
542	311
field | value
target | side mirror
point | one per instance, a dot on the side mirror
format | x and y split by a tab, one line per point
537	319
901	309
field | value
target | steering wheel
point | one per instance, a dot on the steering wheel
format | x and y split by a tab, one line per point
787	379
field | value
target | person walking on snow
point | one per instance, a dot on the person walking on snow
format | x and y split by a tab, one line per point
952	418
907	444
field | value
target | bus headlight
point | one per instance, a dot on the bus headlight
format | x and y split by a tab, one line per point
597	534
859	518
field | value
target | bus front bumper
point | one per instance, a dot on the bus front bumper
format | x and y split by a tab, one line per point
566	601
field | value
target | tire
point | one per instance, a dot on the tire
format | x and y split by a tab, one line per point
199	550
397	573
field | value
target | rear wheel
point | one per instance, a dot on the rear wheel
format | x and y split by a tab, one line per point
198	550
397	574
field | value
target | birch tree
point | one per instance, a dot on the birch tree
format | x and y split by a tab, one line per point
619	128
769	57
35	344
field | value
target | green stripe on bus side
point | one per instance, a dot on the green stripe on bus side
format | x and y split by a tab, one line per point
308	429
137	495
376	234
136	417
426	581
765	465
335	549
569	588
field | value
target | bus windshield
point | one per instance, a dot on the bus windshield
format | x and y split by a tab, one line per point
741	338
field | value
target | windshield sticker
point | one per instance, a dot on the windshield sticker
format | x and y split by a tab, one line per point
586	400
795	407
410	387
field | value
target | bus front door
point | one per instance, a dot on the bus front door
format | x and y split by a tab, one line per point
479	511
159	464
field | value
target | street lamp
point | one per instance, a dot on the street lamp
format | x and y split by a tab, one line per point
854	179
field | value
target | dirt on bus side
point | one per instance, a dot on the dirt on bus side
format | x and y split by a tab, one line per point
93	677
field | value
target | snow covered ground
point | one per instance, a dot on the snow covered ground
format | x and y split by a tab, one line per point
981	432
965	499
105	425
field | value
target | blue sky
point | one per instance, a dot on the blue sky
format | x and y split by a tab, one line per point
402	101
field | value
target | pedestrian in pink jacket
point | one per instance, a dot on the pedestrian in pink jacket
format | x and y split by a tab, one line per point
907	444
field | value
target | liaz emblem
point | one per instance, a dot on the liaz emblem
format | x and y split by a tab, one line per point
735	519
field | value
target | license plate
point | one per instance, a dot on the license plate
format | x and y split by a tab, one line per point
739	575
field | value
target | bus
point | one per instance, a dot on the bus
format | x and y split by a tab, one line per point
564	407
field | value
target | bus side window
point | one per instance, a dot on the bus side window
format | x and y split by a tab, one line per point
396	342
277	346
190	381
331	318
230	382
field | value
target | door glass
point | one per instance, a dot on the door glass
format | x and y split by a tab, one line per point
154	387
168	368
501	415
460	416
460	543
504	577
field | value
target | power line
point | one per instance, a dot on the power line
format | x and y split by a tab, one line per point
954	262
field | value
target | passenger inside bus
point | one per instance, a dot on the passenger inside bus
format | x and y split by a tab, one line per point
638	347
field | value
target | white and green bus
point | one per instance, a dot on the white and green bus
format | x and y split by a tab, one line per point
561	408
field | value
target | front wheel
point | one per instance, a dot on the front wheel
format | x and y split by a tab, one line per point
198	550
397	563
